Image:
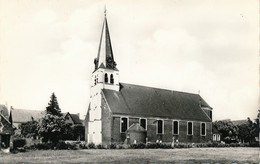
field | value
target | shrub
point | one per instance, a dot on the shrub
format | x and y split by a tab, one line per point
19	142
112	146
137	146
62	146
91	146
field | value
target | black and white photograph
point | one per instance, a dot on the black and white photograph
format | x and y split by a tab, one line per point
129	81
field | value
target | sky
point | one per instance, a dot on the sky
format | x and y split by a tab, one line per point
208	47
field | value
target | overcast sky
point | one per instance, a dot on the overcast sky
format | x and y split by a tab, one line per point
209	46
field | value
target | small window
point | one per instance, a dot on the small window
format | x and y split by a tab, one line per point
218	137
210	114
124	124
143	123
160	127
106	78
190	128
111	79
214	137
203	129
175	127
95	81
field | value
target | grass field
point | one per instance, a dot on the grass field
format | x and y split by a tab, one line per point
192	155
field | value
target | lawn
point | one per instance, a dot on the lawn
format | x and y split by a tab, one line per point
191	155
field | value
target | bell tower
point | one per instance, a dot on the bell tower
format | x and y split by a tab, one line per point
104	76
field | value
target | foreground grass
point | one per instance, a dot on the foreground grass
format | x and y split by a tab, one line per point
192	155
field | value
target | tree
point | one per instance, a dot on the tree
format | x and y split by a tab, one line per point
78	132
51	125
53	106
246	131
50	128
227	129
29	129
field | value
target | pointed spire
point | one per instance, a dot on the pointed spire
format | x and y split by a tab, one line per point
105	52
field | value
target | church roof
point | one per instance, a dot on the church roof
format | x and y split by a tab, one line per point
144	101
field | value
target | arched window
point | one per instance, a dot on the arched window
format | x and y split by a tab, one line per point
111	79
106	78
190	128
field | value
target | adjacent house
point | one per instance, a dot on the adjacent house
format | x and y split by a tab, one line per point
72	119
20	116
117	108
6	129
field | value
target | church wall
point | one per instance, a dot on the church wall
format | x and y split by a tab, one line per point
106	123
167	135
86	127
116	135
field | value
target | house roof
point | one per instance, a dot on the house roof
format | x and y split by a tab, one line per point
239	122
4	111
145	101
24	115
74	117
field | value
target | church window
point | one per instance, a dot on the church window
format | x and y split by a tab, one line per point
111	79
124	124
159	126
106	78
214	137
203	129
95	81
143	123
175	127
190	128
218	137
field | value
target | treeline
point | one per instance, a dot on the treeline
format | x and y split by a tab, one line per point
52	127
244	132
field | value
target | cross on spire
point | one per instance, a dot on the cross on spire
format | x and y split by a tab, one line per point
105	11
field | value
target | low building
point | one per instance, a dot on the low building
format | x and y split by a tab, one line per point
72	119
6	131
20	116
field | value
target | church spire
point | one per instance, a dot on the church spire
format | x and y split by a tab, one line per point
105	58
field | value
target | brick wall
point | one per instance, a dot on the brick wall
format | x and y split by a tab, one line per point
167	136
86	126
106	122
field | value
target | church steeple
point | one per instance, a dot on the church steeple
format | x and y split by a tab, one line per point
105	58
105	75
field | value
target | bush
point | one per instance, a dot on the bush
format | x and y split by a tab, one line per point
137	146
44	146
19	142
112	146
62	146
91	146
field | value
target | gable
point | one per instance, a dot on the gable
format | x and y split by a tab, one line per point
5	125
144	101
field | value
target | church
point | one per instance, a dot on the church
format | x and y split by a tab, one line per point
160	115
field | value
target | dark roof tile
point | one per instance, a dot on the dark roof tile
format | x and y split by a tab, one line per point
153	102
